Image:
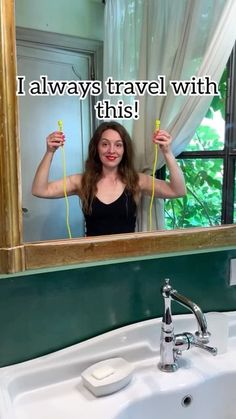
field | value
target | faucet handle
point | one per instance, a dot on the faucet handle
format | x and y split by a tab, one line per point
202	338
211	349
184	341
166	288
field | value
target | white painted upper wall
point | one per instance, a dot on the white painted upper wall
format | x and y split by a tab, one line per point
83	18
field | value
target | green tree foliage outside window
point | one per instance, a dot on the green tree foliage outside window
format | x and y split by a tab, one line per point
204	176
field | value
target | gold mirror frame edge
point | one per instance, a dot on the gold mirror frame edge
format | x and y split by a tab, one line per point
16	256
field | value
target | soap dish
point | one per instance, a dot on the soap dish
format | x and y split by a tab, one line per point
107	377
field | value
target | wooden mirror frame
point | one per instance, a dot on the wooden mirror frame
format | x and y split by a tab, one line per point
17	256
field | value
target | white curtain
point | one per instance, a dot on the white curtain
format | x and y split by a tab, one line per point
123	31
177	39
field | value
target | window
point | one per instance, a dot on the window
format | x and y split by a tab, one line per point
208	164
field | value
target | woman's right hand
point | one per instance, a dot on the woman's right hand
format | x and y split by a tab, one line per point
55	140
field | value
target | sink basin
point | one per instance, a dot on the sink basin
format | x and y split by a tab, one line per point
51	387
213	398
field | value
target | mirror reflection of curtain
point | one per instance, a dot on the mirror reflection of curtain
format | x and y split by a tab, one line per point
177	39
122	35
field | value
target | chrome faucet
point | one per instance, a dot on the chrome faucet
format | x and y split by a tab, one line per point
171	345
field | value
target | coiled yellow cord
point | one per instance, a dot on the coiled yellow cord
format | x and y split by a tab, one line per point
60	128
157	127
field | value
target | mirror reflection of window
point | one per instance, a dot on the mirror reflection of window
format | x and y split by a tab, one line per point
208	164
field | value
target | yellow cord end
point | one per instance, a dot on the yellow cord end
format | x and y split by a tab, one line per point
60	125
157	124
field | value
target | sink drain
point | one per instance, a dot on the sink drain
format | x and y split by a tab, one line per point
186	400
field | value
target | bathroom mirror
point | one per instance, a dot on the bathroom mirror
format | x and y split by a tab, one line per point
15	255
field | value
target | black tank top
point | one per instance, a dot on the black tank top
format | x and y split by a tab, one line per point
117	217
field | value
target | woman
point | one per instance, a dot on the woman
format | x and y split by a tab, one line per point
110	188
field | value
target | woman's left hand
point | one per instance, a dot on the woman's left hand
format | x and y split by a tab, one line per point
163	139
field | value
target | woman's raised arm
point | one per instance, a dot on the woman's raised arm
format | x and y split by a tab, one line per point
41	187
175	187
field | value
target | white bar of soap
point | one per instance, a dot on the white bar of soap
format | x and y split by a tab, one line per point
108	376
102	372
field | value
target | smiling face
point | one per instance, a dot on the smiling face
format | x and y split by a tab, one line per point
110	148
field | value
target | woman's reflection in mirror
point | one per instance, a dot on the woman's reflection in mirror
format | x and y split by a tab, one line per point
110	188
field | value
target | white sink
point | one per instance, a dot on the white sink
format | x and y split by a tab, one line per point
211	398
51	387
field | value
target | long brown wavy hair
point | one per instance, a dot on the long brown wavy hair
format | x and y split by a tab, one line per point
93	166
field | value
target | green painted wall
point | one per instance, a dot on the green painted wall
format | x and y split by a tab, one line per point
83	18
43	312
